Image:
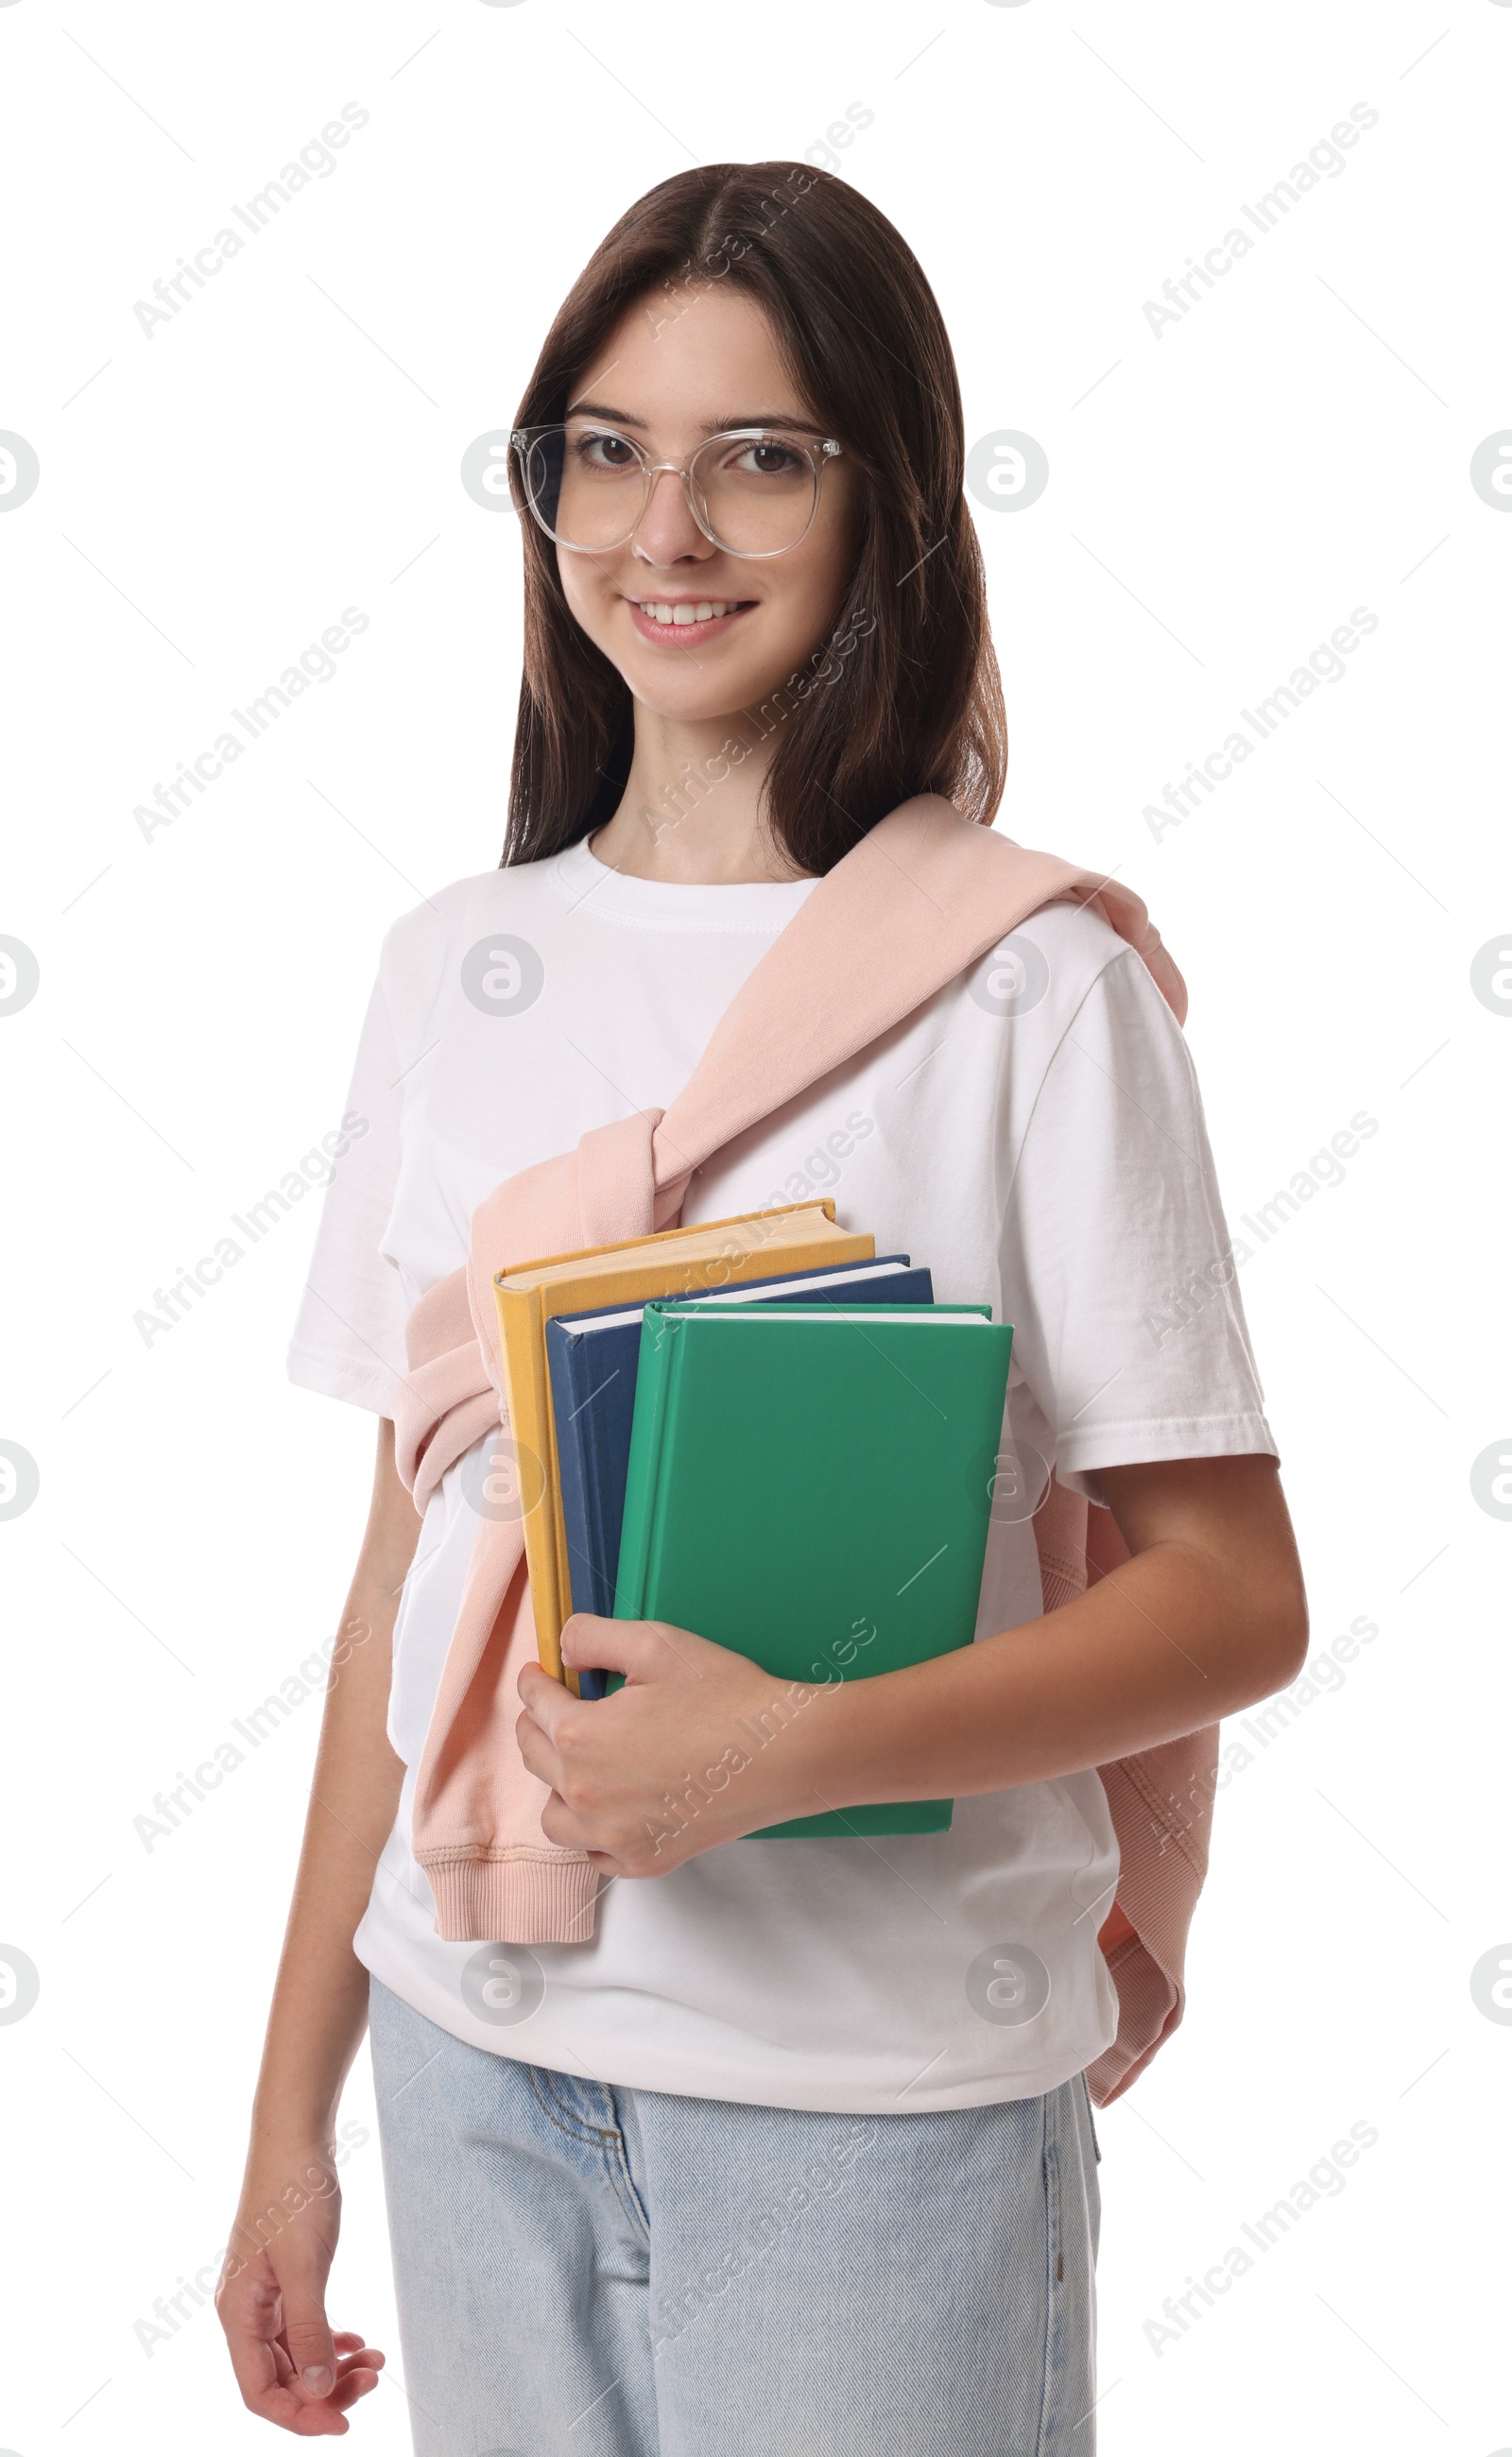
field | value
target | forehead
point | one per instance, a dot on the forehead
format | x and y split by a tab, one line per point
691	360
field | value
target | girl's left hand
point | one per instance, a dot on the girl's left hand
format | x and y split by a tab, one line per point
700	1745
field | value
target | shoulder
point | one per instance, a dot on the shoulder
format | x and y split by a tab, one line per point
1062	951
965	865
1078	939
454	916
1064	990
425	943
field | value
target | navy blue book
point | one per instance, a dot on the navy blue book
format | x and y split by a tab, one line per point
593	1357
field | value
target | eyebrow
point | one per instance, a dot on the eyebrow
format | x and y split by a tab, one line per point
774	418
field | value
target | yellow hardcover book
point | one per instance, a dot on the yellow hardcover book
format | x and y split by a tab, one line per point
752	1246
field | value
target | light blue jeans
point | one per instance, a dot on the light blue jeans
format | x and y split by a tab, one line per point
594	2272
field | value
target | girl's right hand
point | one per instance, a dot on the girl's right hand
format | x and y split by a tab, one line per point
290	2367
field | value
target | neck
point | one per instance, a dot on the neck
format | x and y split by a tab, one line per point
691	813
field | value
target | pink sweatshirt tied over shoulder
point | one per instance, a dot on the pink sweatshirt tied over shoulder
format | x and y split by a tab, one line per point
919	899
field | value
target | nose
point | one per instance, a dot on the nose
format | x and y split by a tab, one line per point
668	532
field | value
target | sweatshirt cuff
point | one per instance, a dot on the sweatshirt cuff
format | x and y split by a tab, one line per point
528	1897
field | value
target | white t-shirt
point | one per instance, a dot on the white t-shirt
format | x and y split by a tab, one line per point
1035	1135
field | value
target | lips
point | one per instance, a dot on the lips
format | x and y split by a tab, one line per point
684	622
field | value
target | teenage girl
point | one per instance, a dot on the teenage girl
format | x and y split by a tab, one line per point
766	2163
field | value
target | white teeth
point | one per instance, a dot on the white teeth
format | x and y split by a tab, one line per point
706	610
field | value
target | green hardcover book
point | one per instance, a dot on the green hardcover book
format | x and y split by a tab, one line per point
812	1489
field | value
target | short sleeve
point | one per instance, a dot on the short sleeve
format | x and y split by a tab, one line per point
349	1333
1120	1275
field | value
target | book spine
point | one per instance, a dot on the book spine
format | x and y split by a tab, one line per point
564	1364
522	1337
658	1347
651	1581
553	1498
599	1576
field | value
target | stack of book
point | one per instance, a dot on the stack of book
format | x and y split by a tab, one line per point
759	1430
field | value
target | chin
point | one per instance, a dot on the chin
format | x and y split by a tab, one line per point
704	708
695	687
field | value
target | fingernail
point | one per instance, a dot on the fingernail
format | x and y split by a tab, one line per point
317	2378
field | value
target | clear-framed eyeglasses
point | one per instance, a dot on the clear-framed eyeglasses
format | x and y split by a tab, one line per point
753	491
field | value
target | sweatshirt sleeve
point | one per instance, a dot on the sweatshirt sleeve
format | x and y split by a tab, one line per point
349	1333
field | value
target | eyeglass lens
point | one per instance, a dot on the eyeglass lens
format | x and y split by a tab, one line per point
588	488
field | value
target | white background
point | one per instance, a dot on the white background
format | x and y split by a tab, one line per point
1220	498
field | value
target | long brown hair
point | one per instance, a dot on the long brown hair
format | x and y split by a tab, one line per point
917	705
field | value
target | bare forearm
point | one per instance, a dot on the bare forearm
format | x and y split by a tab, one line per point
320	2001
1157	1648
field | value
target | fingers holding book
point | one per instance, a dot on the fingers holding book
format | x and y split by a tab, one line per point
698	1746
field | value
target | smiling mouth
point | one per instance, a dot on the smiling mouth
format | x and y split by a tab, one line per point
686	613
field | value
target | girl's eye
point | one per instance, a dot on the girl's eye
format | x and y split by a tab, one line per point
603	451
767	459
